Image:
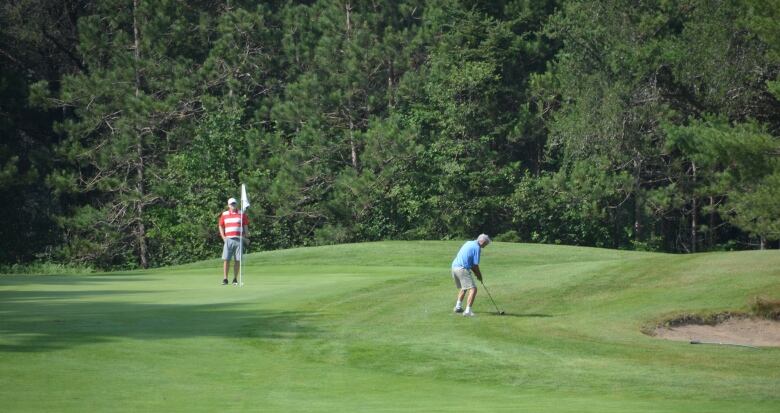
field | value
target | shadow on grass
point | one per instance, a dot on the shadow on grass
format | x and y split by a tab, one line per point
15	298
25	279
36	321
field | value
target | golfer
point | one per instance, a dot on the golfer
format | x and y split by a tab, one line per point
464	263
232	232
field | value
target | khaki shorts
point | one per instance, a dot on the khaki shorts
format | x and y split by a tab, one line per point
462	278
230	249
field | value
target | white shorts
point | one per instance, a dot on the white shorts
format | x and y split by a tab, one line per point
462	278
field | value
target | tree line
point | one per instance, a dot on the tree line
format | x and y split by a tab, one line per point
126	124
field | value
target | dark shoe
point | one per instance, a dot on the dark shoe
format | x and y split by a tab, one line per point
458	309
224	281
235	282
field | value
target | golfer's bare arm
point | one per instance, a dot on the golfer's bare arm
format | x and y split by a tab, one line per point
222	232
475	269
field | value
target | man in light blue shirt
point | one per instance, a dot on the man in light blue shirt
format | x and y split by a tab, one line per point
464	263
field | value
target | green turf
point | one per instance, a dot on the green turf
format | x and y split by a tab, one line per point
368	327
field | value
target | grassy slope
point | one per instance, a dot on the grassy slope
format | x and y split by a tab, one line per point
368	327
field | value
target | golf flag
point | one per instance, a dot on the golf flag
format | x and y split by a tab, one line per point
244	198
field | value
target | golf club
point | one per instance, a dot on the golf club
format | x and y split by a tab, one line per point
499	312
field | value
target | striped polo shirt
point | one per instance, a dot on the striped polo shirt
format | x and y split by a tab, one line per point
231	221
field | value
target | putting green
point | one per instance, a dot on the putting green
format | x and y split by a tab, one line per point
368	327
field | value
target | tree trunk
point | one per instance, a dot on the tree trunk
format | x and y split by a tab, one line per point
539	158
390	74
693	209
140	227
352	145
637	201
711	232
348	8
140	231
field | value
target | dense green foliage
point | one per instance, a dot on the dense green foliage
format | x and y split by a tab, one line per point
639	125
316	330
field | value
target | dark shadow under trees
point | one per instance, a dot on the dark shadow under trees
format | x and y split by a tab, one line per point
36	321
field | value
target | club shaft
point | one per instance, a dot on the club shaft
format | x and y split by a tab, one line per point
491	297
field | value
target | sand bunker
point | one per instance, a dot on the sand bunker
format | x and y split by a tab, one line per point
745	331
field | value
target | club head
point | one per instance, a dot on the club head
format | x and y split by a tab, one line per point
501	313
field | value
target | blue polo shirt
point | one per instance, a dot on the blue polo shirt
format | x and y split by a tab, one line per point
468	256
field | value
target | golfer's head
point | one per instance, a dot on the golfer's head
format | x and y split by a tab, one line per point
483	240
232	204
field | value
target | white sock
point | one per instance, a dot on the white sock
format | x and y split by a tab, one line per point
468	308
459	304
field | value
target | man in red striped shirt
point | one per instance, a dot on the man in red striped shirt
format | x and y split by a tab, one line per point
232	225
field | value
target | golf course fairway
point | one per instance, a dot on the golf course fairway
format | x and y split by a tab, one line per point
369	327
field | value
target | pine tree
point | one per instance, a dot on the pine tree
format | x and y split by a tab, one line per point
37	43
742	169
342	79
137	89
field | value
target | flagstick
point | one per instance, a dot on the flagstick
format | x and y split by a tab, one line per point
244	206
241	247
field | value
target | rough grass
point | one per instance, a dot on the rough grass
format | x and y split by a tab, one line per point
766	308
45	268
368	327
681	319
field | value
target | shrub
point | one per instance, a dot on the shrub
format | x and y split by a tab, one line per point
509	236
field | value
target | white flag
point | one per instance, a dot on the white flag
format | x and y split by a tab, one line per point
244	198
